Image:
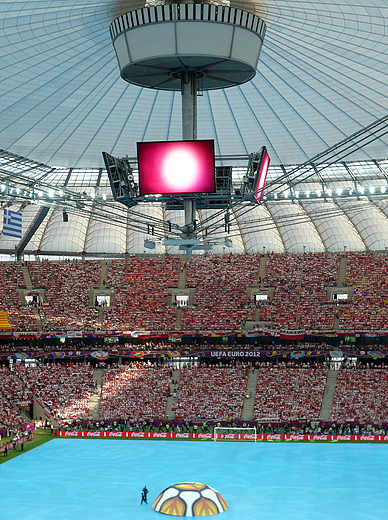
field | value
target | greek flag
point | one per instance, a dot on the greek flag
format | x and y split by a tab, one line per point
12	224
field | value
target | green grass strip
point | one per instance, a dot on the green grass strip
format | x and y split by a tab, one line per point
40	437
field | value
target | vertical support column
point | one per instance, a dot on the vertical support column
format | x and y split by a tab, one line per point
190	209
189	106
189	133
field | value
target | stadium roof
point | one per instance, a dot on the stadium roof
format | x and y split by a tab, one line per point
322	76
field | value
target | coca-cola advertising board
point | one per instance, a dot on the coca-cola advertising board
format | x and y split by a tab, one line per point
224	436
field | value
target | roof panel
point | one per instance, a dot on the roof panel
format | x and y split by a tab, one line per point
321	76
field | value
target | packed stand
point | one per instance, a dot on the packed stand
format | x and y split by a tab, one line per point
136	391
67	287
12	394
141	293
19	316
13	388
368	274
285	394
361	395
9	417
221	282
300	298
211	393
64	389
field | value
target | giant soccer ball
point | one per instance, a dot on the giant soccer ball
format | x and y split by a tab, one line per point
190	499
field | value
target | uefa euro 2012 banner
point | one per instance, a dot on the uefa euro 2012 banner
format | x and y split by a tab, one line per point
242	355
224	436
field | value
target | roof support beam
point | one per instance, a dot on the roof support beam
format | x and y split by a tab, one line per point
30	233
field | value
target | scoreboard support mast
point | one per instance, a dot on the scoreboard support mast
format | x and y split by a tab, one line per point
171	45
189	133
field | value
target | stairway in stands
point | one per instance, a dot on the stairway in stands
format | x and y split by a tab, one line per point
16	408
4	323
95	398
102	285
26	276
260	280
342	271
181	286
340	283
336	321
173	391
29	285
328	396
247	410
262	270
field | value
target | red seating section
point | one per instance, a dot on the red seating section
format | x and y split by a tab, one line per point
67	287
220	296
11	278
361	395
64	389
211	393
132	392
368	274
220	283
285	394
140	391
310	273
11	392
12	387
141	296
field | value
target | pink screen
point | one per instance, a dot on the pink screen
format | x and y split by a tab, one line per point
176	167
262	175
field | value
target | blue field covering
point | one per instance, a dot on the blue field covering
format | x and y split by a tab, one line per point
82	479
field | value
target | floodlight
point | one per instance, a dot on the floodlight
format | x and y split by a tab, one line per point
261	174
149	244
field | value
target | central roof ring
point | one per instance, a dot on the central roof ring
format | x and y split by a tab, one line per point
221	44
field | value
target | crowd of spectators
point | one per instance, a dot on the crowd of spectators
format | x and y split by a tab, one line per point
220	296
134	396
220	300
211	392
367	273
11	279
141	293
67	292
139	390
299	299
12	387
285	392
361	395
13	395
64	389
9	417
